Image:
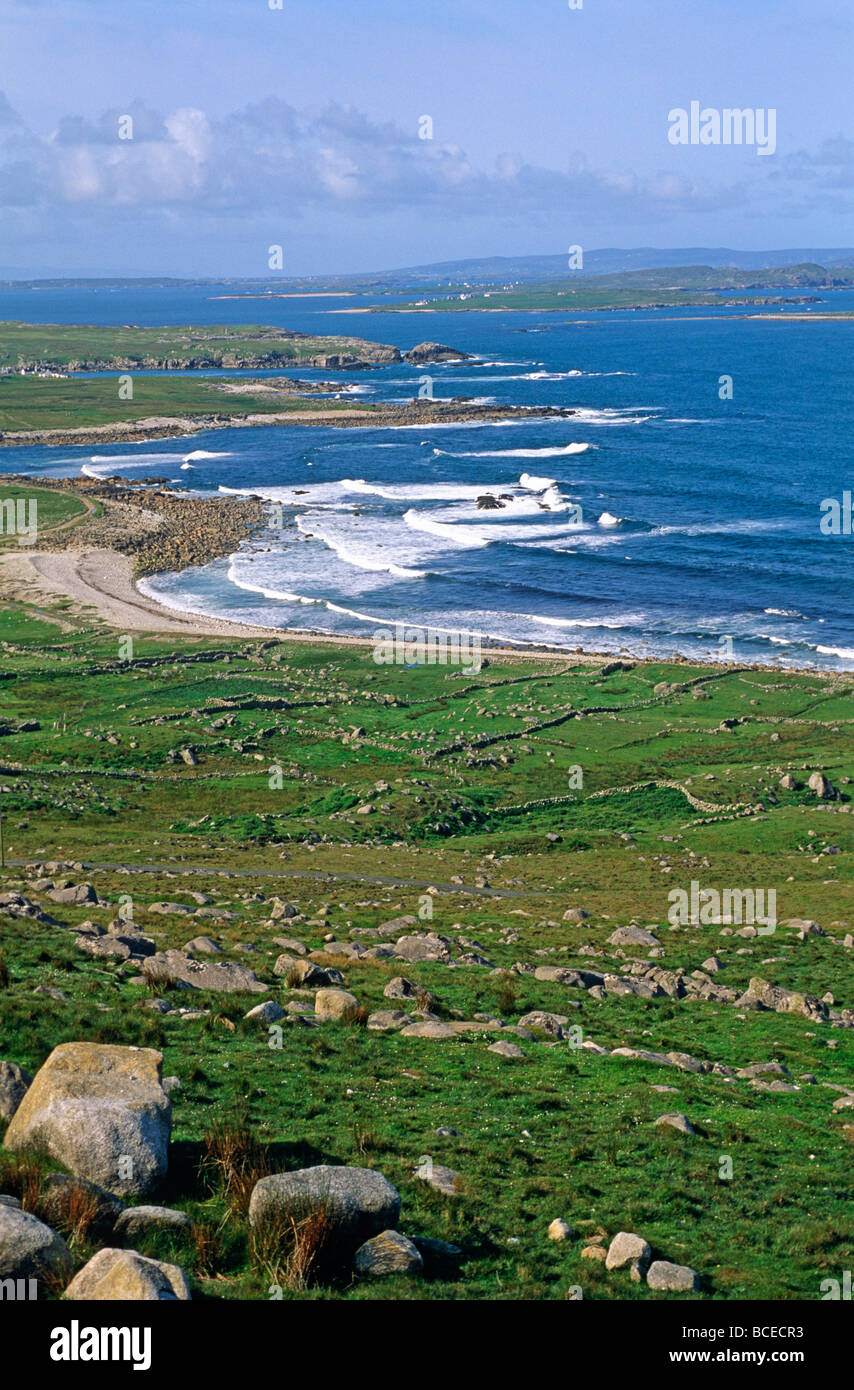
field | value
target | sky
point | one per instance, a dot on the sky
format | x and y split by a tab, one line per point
301	124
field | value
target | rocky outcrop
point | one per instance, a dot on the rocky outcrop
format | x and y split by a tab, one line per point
423	353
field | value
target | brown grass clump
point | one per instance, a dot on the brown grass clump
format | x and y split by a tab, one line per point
235	1159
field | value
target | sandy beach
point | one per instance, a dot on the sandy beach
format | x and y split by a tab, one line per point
100	584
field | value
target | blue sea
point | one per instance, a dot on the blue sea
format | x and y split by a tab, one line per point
658	519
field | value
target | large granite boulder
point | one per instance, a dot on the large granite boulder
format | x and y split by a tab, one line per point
227	978
358	1202
101	1112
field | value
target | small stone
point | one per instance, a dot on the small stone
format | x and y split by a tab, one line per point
675	1121
388	1253
268	1012
560	1229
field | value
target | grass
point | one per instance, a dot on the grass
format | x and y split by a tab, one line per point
563	1132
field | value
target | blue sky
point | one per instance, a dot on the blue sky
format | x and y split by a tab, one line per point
256	126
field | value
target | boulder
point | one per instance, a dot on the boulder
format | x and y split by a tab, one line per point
443	1179
135	1221
126	1276
627	1249
506	1049
81	893
29	1249
427	947
428	1028
631	936
819	784
176	966
14	1082
677	1122
388	1253
268	1012
336	1003
544	1022
387	1020
101	1111
560	1229
358	1202
670	1278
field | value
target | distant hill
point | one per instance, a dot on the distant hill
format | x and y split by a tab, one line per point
487	271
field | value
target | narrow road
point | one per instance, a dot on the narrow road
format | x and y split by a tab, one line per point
317	875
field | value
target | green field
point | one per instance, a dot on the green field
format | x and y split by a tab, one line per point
30	403
96	347
54	509
285	744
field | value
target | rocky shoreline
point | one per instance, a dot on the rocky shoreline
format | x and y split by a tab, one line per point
157	529
382	416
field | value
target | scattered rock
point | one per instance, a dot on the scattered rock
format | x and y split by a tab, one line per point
670	1278
358	1202
136	1221
627	1249
29	1249
127	1276
388	1253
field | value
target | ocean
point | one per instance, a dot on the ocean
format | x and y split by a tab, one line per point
659	519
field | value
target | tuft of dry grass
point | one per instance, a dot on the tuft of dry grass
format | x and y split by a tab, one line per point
298	1248
72	1210
235	1159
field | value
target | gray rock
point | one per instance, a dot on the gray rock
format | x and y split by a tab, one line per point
428	1028
544	1022
204	945
81	893
268	1012
672	1278
441	1259
14	1082
506	1049
135	1221
335	1003
674	1120
359	1202
442	1178
627	1249
100	1111
428	947
227	978
388	1020
29	1249
631	936
127	1276
388	1253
